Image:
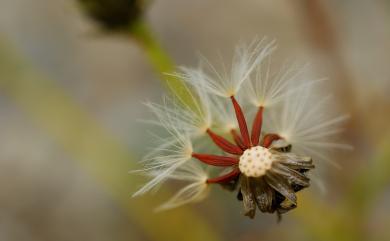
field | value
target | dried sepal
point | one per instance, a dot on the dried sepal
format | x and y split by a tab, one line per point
282	186
248	197
264	195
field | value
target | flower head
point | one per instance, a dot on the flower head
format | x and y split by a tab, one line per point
267	162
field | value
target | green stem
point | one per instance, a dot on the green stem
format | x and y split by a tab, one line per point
372	179
162	63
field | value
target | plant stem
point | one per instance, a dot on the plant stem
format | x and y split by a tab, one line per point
162	63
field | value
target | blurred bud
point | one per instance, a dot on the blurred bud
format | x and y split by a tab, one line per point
113	14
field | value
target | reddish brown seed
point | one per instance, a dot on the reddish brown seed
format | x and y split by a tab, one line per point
224	144
241	122
215	160
225	178
237	139
269	138
257	126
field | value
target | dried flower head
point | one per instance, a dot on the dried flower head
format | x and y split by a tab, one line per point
267	163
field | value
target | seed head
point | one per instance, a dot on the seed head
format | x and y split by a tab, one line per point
265	163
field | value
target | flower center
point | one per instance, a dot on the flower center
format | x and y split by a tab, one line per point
255	161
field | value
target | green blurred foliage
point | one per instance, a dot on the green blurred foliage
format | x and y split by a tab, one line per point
101	155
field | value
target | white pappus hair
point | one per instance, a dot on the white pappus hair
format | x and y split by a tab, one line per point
267	88
196	189
224	84
308	122
170	154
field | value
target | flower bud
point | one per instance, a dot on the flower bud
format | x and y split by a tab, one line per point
113	15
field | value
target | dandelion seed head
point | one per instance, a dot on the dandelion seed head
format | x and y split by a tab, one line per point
266	162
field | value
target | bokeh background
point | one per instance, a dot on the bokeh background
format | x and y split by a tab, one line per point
71	93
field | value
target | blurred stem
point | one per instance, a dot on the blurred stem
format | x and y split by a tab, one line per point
97	150
324	221
372	179
161	62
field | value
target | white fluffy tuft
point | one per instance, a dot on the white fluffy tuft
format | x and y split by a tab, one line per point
172	153
194	120
266	88
307	122
194	191
245	60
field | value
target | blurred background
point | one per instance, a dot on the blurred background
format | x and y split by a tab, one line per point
71	92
